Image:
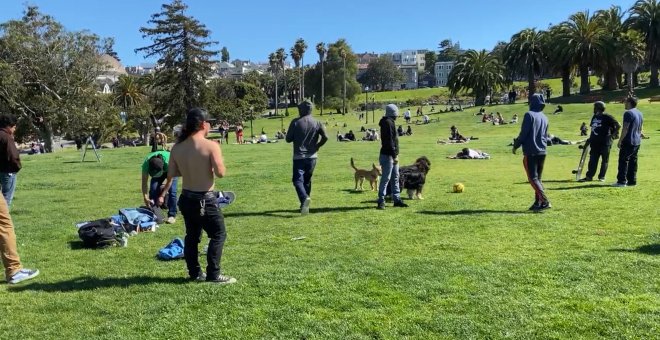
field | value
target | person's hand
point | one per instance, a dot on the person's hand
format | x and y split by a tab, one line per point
396	160
514	150
160	201
147	201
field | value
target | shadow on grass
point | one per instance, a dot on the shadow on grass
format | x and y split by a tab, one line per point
582	187
551	181
92	283
472	212
353	191
292	213
649	249
72	162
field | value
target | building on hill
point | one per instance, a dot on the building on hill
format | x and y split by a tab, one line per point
141	70
442	70
109	73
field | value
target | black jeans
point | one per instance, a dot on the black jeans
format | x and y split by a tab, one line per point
628	164
212	221
534	169
598	151
303	169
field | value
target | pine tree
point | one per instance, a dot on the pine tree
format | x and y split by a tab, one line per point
185	60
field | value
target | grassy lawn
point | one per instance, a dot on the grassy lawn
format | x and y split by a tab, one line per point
471	265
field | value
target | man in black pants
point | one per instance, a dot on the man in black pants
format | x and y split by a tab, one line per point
631	138
197	159
533	139
604	128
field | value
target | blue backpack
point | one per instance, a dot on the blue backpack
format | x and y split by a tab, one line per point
172	251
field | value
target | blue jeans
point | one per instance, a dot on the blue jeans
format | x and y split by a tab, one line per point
303	169
8	183
390	175
154	192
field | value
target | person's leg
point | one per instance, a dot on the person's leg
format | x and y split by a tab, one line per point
631	177
310	164
8	183
534	168
190	211
594	155
386	164
171	199
298	179
394	183
154	188
214	225
604	164
10	259
624	156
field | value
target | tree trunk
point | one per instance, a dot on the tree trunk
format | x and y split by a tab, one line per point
620	79
635	78
531	87
654	75
584	79
46	135
302	81
566	81
479	100
610	80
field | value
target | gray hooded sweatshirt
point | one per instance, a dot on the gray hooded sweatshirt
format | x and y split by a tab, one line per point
304	132
534	128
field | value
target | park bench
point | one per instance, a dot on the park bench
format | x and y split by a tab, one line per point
654	99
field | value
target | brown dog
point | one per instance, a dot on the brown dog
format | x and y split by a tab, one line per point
371	175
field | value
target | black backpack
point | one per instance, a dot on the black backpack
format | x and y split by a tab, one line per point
97	234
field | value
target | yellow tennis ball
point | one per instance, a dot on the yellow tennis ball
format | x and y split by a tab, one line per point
458	187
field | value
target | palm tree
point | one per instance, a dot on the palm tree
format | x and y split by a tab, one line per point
128	92
645	17
612	21
583	38
274	67
321	50
477	71
296	60
525	55
557	57
281	57
631	47
301	48
342	53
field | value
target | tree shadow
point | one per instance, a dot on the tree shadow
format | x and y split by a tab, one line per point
472	212
292	213
649	249
86	283
582	187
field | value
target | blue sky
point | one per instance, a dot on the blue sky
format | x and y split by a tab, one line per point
253	29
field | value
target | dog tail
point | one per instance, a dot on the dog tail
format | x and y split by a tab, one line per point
353	164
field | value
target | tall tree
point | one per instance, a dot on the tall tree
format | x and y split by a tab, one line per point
430	58
524	55
480	72
295	55
224	54
321	50
280	55
301	48
382	72
274	66
109	48
448	50
645	17
612	21
631	46
558	58
47	75
182	46
127	92
582	37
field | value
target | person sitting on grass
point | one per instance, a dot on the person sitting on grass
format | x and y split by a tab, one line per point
583	129
409	131
558	110
399	130
514	119
426	119
456	136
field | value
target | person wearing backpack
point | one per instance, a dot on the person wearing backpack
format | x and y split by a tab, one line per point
14	271
156	166
198	160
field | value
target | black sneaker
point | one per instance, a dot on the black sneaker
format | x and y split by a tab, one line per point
631	184
534	206
586	179
199	278
544	206
222	279
381	206
400	204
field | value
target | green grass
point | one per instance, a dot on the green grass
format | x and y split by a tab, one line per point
471	265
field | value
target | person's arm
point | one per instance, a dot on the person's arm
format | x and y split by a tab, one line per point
289	132
615	128
525	129
14	156
217	162
324	137
172	171
145	188
624	132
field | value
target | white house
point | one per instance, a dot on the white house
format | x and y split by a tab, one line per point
442	70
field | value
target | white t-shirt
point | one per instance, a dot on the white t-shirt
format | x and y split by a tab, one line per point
406	114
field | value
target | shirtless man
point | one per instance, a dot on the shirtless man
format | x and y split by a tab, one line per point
197	159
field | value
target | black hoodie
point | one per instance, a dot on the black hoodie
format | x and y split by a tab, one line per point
388	136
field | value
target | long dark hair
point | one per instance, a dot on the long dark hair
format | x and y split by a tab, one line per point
194	118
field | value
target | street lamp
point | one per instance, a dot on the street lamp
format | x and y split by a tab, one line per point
366	103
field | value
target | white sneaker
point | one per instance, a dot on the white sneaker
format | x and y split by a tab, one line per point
22	275
170	220
305	206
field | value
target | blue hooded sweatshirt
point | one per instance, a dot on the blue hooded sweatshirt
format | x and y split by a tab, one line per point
534	128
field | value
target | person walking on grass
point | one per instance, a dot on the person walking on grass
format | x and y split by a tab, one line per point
308	136
156	166
10	160
631	139
604	128
389	158
197	159
14	271
533	139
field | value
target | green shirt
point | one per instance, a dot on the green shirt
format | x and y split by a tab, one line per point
166	159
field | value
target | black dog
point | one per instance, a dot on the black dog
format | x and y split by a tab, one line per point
413	177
